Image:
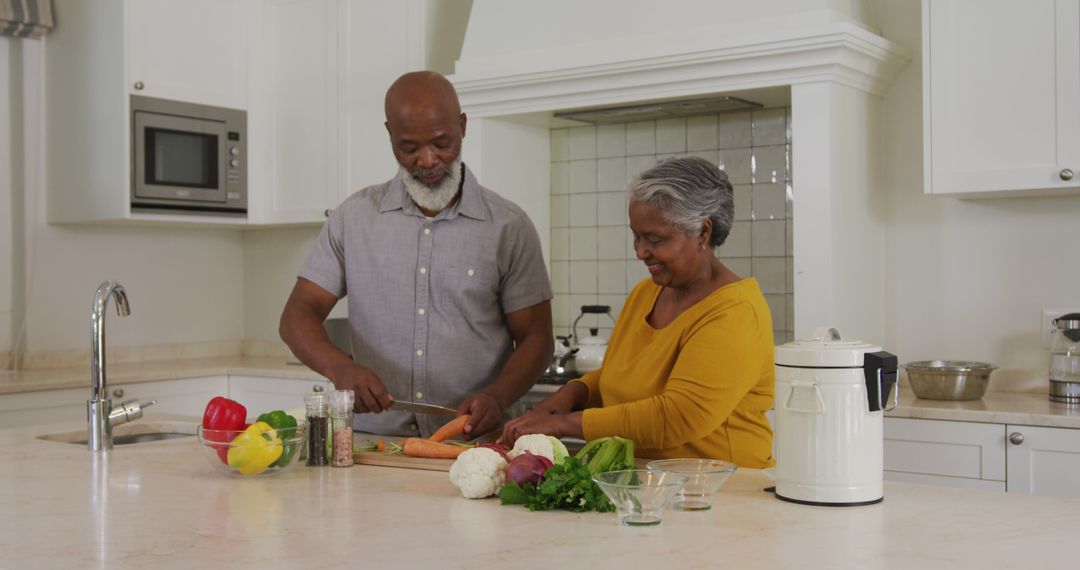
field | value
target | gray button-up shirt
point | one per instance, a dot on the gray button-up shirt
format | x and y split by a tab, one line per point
427	298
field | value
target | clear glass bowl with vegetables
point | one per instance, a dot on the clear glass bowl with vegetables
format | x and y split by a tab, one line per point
257	450
639	495
704	478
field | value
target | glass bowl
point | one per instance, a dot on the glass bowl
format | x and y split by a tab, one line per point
250	460
704	478
639	495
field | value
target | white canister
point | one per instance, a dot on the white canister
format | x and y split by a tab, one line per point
830	397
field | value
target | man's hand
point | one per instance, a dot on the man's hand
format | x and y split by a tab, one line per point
371	394
484	411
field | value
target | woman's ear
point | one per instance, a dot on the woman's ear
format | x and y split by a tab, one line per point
706	232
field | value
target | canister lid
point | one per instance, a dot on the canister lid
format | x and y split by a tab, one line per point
826	349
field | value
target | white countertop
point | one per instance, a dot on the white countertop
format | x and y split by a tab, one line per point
160	505
1028	407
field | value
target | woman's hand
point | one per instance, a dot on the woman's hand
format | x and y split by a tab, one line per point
548	423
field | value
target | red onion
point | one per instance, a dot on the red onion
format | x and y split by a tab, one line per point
527	468
498	448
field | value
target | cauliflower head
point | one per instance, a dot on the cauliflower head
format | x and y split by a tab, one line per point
539	444
478	472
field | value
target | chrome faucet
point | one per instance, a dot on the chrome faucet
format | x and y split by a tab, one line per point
100	414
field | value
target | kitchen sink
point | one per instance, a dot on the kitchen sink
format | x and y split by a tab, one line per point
136	432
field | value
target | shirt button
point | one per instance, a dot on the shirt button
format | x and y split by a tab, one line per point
471	272
419	395
423	270
413	427
419	352
427	231
421	312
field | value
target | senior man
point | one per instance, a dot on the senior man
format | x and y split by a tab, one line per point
448	296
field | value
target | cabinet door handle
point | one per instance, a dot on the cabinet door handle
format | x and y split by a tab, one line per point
1016	438
317	388
118	393
139	85
1066	174
327	212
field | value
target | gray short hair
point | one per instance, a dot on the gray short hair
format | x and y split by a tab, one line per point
689	190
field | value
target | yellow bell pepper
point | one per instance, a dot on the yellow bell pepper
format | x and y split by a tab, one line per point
255	449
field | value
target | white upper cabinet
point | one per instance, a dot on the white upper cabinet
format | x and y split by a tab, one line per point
295	112
189	50
1001	97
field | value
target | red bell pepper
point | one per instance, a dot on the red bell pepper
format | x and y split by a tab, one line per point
223	414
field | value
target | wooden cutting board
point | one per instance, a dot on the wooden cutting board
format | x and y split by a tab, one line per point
403	461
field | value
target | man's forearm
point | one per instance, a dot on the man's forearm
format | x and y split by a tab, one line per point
525	365
308	340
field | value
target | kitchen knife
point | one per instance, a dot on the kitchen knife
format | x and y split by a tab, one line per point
418	408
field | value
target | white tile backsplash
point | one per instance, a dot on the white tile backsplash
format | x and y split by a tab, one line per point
611	277
611	174
583	277
560	177
671	136
768	238
701	133
593	258
738	241
770	127
734	130
611	209
560	148
611	141
770	164
560	211
769	201
582	210
560	276
641	138
737	163
582	244
611	242
582	143
582	176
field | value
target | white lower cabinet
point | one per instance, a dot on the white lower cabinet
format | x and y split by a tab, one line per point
185	397
259	394
1044	461
1025	459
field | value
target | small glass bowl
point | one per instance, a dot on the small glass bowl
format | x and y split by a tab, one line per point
639	495
216	444
704	478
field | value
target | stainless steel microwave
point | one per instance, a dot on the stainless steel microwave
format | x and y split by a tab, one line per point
188	157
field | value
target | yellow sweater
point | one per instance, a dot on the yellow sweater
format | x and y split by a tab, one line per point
698	387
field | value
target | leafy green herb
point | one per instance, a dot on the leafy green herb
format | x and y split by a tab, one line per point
568	485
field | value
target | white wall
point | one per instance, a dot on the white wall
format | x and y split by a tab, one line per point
184	285
6	227
272	259
964	279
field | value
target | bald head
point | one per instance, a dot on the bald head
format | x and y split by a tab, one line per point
421	90
426	125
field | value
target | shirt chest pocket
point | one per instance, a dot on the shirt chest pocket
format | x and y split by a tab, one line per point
466	287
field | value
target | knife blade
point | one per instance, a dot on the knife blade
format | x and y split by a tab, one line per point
418	408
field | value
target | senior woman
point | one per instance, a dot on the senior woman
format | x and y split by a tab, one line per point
689	368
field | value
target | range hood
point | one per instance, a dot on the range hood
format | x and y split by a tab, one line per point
659	110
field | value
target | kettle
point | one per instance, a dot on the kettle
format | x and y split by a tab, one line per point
831	395
590	349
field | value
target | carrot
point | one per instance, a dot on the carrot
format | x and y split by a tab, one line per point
381	446
451	429
418	447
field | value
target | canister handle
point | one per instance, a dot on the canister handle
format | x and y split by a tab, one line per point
817	397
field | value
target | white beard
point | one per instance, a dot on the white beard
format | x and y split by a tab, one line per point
433	198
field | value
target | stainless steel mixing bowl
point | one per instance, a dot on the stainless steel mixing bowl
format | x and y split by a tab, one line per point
949	379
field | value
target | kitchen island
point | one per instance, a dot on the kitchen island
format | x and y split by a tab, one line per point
160	505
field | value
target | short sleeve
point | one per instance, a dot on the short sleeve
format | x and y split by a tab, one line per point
325	263
525	282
